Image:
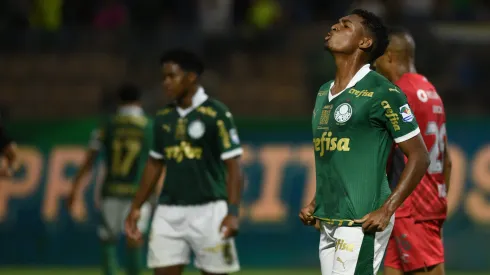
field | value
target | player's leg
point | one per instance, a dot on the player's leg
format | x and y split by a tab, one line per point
393	265
214	255
327	248
168	250
108	234
395	251
134	250
426	250
357	252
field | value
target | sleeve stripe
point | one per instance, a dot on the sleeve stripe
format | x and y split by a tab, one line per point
155	155
231	154
408	136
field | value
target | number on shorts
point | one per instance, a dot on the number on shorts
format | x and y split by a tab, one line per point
123	156
437	150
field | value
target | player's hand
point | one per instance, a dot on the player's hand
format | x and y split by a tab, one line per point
229	226
131	225
376	221
306	216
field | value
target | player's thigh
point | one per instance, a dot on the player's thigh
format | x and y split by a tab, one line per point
437	269
167	245
357	252
419	243
392	262
109	219
214	254
326	247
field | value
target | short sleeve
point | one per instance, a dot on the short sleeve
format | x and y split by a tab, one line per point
392	112
228	139
156	150
97	139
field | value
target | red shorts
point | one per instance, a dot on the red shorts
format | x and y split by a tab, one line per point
415	245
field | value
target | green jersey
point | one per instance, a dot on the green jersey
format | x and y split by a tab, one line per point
126	139
353	133
194	143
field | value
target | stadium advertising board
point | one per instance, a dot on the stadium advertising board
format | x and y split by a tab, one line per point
35	227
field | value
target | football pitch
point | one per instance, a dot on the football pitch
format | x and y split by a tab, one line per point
93	271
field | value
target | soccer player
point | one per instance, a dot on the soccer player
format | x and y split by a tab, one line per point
9	152
197	141
356	119
125	139
415	245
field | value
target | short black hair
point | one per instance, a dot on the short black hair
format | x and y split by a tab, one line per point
377	29
187	60
128	93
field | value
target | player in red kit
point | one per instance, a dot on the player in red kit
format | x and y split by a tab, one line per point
416	246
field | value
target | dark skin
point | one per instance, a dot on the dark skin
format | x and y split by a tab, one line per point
181	86
399	59
10	154
349	42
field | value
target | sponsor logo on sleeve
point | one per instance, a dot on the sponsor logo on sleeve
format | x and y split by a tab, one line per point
234	136
407	115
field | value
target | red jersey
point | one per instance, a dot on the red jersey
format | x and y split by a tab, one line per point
428	200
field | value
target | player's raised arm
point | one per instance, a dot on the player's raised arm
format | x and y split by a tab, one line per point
231	150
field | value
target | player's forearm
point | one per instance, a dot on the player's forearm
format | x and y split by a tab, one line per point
234	184
417	164
87	164
149	180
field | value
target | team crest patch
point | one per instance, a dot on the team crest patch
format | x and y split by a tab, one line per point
343	113
406	113
196	129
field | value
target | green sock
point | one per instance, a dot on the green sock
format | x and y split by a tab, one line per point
134	260
109	259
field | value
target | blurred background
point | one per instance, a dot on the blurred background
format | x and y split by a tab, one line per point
61	61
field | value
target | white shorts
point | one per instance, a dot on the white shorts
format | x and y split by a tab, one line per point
348	251
178	230
113	214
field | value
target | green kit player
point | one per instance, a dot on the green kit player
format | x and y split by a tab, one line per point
125	139
356	120
196	140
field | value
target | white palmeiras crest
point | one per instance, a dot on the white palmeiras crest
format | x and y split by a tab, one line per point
196	129
343	113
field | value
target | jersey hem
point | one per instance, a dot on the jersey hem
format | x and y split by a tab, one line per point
231	154
155	155
408	136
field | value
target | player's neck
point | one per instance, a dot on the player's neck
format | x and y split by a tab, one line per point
186	101
403	69
347	67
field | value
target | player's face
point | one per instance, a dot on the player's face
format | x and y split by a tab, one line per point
347	35
174	80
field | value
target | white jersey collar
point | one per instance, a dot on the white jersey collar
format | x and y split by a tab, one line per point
363	71
199	98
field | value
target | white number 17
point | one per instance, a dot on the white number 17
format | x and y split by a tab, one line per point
436	153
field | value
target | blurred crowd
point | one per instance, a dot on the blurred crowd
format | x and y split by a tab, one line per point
250	46
217	15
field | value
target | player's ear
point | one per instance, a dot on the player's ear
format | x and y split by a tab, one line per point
192	77
365	43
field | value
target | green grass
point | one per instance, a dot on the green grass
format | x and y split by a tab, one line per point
66	271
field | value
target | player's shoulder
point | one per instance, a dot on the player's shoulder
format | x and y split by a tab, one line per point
165	111
325	88
381	86
214	108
